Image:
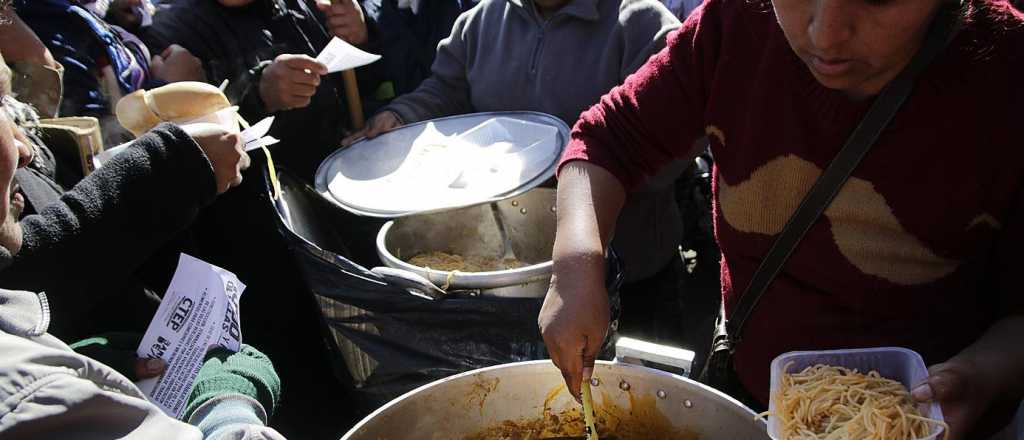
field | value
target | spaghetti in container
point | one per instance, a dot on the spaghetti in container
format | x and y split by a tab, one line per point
900	364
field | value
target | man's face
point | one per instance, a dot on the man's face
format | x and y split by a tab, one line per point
855	46
14	153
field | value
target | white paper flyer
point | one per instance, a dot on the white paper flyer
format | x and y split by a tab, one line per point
198	312
339	55
256	136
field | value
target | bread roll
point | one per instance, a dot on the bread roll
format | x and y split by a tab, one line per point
177	102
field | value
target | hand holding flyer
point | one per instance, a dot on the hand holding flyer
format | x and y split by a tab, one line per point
256	136
198	312
339	55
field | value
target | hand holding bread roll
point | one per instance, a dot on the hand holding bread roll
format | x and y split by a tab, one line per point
177	102
225	151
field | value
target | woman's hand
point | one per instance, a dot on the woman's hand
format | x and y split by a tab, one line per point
380	123
962	394
574	322
574	318
985	375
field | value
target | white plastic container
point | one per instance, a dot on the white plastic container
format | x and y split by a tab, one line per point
899	364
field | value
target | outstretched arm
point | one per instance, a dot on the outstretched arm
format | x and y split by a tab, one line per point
574	318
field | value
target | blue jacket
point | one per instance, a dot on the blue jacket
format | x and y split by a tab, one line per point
84	43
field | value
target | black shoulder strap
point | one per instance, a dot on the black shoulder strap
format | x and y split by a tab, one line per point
831	181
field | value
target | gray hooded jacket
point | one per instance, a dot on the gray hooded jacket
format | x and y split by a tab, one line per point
49	391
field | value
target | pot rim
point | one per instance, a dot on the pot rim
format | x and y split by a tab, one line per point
646	370
456	279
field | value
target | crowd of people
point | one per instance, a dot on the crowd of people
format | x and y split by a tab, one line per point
101	244
918	249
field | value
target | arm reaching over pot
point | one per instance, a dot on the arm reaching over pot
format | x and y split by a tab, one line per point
575	316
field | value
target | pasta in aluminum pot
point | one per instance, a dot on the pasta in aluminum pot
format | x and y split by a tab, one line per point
447	262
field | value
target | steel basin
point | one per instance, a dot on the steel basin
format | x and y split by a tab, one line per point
509	401
527	219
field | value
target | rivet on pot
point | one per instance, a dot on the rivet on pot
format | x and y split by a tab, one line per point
552	209
522	211
595	382
688	403
515	203
662	394
624	386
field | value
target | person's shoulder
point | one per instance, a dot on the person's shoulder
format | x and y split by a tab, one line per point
631	8
645	15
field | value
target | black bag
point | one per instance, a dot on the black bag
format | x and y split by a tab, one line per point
718	369
384	341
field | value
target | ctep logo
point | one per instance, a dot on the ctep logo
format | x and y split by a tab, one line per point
180	315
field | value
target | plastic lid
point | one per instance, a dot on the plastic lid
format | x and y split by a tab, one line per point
444	163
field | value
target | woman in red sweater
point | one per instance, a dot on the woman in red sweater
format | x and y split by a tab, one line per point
920	247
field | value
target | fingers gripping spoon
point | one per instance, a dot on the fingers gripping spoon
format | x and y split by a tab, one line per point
588	411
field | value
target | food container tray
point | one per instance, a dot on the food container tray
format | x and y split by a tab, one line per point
900	364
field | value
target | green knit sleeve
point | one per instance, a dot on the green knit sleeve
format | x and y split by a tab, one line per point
247	372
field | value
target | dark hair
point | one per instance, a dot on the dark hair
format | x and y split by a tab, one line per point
759	5
5	7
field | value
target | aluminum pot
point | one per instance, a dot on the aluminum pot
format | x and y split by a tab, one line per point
524	224
528	400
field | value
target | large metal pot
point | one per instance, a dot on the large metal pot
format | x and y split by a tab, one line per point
525	224
528	400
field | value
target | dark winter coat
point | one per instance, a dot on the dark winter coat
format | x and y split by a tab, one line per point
235	44
112	222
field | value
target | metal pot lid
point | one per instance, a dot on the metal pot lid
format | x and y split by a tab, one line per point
444	163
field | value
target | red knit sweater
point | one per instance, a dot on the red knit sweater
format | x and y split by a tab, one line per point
919	249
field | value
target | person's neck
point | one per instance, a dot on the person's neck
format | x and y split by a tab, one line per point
545	13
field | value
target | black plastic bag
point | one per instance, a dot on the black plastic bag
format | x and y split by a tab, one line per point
386	340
